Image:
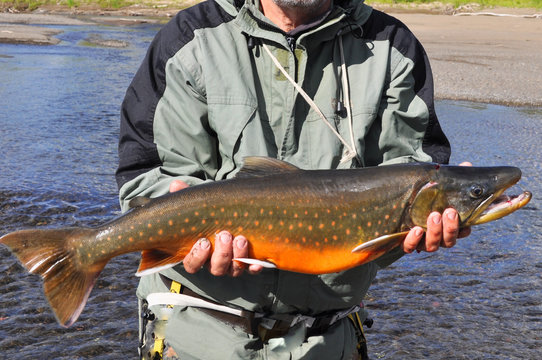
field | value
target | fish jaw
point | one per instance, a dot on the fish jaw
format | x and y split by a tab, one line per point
501	206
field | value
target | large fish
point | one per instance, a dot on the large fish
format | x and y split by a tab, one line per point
308	221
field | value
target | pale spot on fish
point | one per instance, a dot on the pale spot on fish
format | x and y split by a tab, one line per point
309	227
203	221
170	222
369	224
291	227
256	223
196	213
347	231
186	220
270	227
149	225
131	239
160	232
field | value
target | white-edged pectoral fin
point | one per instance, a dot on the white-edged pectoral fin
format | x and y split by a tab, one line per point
382	243
265	264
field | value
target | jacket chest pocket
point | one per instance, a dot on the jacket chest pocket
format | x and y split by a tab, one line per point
240	133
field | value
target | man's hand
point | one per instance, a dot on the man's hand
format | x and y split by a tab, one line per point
220	258
442	231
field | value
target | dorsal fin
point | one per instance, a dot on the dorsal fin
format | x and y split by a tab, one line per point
256	166
139	201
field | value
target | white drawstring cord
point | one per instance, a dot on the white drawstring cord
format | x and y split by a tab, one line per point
346	90
350	151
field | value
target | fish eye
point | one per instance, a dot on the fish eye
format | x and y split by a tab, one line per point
476	191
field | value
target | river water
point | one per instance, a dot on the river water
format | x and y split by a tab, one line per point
59	109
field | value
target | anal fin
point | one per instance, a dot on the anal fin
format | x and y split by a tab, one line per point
381	244
262	263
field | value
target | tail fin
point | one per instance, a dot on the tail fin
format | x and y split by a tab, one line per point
52	254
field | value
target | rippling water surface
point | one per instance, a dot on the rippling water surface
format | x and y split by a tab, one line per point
59	110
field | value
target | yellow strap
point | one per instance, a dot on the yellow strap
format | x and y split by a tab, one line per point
158	348
175	287
356	321
159	343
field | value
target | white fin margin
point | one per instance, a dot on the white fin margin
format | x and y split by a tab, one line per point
265	264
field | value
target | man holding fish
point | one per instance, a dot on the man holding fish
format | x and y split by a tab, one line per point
320	84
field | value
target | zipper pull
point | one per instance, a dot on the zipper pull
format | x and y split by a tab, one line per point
291	42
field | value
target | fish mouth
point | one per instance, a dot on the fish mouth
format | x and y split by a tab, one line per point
499	206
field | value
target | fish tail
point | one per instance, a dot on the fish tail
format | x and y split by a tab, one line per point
52	254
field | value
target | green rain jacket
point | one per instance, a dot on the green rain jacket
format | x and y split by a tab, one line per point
207	95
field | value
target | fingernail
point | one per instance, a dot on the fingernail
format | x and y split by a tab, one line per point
436	219
452	215
418	232
241	243
204	244
225	238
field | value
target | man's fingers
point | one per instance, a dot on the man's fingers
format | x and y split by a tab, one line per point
221	259
433	234
177	185
413	239
240	250
450	228
198	256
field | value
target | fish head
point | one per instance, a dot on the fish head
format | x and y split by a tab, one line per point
475	192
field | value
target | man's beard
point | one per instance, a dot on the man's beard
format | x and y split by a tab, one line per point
309	5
